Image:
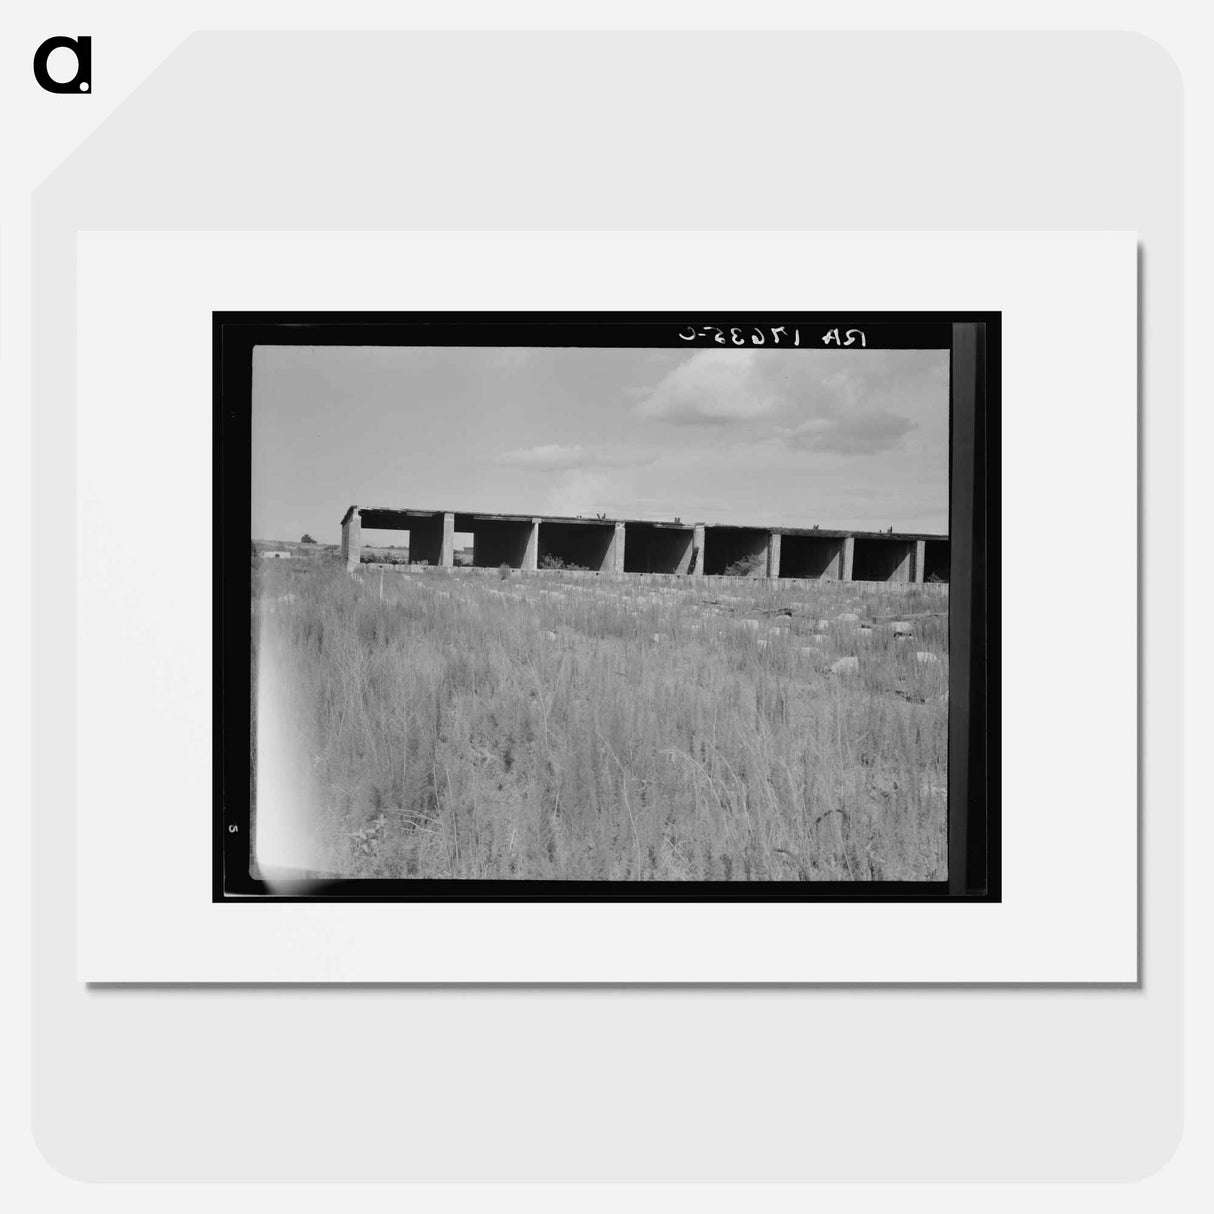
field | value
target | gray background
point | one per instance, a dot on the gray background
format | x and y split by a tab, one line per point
613	131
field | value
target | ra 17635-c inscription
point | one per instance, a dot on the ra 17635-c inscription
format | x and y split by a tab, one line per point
753	335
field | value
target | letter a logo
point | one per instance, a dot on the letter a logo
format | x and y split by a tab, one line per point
82	81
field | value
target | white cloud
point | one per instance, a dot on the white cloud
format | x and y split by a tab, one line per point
549	456
855	403
712	386
585	492
560	457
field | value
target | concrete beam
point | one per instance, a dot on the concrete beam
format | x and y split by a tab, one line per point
351	539
638	546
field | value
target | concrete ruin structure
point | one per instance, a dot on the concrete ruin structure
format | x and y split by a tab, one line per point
604	545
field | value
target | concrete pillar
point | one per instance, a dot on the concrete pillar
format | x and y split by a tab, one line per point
697	564
531	553
773	555
351	538
846	557
617	550
446	552
920	559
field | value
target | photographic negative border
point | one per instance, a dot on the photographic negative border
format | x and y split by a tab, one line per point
973	338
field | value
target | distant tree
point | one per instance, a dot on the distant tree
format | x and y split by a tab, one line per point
307	539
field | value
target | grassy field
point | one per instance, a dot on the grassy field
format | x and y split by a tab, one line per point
432	724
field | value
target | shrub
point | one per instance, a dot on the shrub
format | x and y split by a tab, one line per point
551	561
307	539
746	565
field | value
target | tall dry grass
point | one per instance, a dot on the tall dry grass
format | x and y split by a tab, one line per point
562	726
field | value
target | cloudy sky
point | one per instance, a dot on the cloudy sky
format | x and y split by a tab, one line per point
841	438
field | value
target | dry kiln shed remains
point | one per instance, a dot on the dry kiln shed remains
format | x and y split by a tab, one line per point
637	546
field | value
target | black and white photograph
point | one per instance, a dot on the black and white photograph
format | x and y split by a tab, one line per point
658	603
